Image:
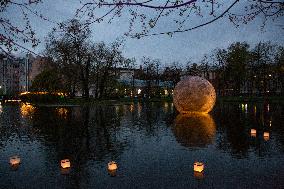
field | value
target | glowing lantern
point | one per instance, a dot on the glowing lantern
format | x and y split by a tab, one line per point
112	166
266	136
253	132
65	163
15	161
198	166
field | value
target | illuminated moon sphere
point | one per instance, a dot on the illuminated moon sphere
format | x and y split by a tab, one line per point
194	94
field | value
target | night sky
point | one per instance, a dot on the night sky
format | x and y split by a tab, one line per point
181	47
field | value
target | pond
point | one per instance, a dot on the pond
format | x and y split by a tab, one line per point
153	146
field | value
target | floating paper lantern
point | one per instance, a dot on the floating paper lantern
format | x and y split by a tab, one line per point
266	136
198	166
65	163
15	160
253	132
112	166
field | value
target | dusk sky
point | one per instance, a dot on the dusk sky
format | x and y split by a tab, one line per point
181	47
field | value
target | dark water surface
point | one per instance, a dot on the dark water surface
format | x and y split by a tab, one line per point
153	146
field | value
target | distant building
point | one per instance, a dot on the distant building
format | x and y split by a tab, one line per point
17	73
9	71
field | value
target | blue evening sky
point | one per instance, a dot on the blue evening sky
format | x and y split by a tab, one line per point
181	47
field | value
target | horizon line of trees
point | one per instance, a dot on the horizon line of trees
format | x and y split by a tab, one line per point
231	70
80	64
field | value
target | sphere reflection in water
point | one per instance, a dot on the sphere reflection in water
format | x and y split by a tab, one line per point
194	130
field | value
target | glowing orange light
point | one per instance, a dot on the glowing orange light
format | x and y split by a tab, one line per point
253	132
65	163
62	112
112	166
266	136
198	166
27	109
15	160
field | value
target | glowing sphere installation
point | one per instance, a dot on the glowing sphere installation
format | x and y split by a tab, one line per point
194	94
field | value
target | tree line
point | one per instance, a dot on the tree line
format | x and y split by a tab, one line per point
80	64
256	69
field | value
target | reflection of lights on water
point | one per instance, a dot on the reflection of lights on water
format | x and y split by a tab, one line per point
194	129
131	108
172	106
116	109
166	92
245	107
139	91
62	112
270	123
139	109
1	108
65	171
198	175
268	108
254	110
166	105
27	109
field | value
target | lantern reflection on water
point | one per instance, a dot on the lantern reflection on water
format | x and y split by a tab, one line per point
198	175
65	171
196	130
65	163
